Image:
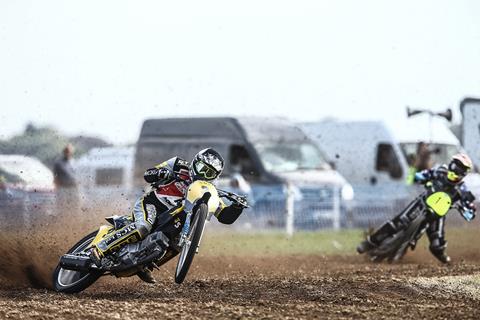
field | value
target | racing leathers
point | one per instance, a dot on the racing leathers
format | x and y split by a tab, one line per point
162	206
437	180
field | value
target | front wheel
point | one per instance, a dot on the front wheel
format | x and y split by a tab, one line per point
70	281
191	243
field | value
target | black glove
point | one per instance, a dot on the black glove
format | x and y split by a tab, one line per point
240	202
164	174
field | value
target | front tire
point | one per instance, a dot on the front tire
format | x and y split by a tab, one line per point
191	243
70	281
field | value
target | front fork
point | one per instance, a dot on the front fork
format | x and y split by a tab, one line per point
186	228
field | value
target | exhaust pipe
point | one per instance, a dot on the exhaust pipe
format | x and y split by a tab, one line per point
74	262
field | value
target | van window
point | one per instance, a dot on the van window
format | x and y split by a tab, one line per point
387	161
108	176
241	162
290	156
440	153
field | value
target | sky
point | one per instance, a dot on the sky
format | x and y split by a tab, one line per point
102	67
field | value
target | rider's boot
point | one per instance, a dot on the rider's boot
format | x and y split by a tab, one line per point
439	253
146	275
365	246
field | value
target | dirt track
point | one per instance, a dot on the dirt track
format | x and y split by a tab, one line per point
235	287
301	287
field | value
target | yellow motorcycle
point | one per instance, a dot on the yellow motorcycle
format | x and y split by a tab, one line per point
76	271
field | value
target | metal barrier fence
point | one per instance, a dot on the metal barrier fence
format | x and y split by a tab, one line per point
280	208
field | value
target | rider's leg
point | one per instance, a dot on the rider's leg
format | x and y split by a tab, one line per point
436	235
143	217
388	229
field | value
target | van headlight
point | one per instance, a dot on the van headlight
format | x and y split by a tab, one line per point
347	192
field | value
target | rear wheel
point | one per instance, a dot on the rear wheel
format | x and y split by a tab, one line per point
70	281
191	243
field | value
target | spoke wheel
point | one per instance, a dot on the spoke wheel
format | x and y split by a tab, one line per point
71	281
192	242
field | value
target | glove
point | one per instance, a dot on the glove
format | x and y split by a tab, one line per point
419	177
468	214
241	202
164	174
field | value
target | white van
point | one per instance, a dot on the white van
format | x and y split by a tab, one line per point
105	179
372	156
470	132
26	190
104	167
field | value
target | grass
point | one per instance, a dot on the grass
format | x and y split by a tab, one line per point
462	241
277	243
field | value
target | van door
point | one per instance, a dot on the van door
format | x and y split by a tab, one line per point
241	162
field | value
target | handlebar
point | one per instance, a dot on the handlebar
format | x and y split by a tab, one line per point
242	200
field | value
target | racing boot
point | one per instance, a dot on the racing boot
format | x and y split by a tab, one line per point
443	258
365	246
439	253
146	276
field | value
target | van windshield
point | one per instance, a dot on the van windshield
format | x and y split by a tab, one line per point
290	156
439	153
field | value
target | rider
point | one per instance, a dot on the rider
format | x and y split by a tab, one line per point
159	207
446	178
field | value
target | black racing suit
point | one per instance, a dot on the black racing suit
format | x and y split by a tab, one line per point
436	179
162	207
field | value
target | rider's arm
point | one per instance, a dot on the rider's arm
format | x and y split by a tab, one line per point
427	175
468	207
424	176
160	173
228	214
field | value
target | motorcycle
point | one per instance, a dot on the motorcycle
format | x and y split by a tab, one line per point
76	271
412	224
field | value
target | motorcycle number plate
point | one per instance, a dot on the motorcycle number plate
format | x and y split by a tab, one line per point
440	203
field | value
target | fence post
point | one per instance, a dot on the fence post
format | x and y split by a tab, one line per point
290	206
336	208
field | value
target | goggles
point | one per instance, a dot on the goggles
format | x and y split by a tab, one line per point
458	170
204	170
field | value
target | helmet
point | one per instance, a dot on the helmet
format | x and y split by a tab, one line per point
458	168
206	165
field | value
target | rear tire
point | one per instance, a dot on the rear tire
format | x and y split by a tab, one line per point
189	250
70	281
